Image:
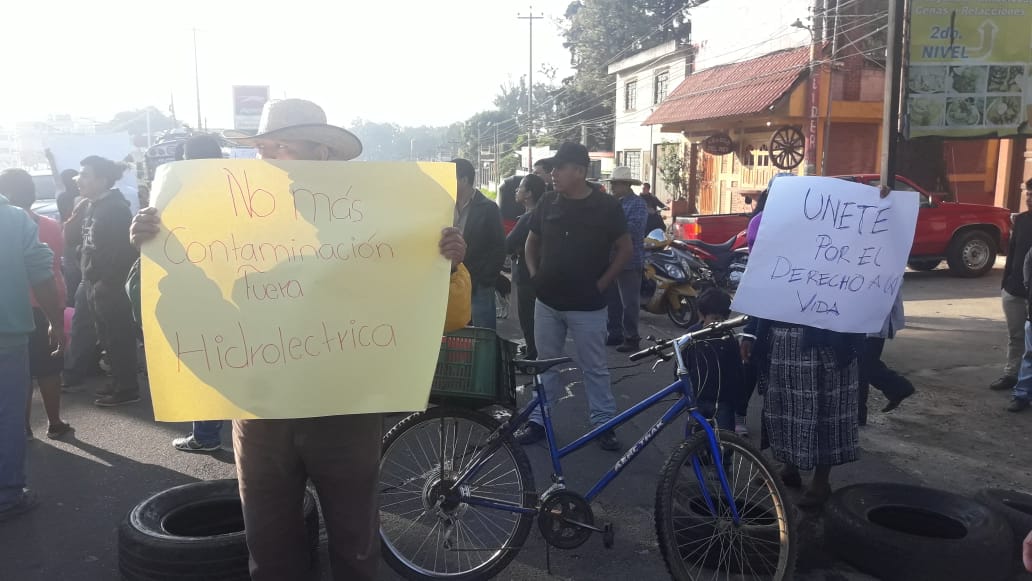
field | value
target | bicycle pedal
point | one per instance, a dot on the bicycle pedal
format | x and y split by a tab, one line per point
608	535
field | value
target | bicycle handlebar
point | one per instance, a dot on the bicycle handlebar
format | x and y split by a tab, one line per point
713	329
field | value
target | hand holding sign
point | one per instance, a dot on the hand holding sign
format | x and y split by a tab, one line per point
829	254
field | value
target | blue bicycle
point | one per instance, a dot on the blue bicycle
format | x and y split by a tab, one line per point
457	496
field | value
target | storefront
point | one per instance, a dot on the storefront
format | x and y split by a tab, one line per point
762	107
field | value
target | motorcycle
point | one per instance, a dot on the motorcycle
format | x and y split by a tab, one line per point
669	281
724	264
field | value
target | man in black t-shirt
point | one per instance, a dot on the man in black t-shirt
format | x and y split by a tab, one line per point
578	244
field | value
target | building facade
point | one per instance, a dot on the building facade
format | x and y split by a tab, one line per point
643	81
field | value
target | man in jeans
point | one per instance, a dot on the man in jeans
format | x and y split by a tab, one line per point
624	295
27	265
1013	294
578	245
340	454
481	224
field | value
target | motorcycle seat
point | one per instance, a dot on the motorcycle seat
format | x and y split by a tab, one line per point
532	367
712	248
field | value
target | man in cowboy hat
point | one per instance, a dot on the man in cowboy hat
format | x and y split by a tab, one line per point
623	294
340	454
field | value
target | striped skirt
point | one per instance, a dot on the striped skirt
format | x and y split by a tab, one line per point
810	406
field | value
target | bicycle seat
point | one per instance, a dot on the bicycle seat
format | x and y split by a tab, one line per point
532	367
712	248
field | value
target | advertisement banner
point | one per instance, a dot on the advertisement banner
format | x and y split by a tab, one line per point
969	68
248	101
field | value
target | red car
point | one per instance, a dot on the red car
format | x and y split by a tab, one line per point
967	236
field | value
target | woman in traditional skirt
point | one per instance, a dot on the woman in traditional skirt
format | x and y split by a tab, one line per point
810	381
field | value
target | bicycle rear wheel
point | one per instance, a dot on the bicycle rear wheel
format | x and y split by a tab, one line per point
699	543
427	538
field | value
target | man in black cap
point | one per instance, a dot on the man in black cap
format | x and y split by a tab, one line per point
577	246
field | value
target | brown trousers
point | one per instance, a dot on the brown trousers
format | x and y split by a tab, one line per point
341	456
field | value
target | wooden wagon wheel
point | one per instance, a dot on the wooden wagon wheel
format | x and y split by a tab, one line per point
787	146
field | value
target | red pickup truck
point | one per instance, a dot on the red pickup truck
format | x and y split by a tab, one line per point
967	236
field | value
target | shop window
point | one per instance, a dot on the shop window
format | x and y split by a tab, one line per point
631	96
748	159
662	86
632	159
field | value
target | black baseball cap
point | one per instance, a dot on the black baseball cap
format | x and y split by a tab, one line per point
571	152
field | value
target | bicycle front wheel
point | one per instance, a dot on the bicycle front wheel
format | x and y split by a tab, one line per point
694	523
427	529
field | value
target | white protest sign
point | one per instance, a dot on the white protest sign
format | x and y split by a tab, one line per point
830	254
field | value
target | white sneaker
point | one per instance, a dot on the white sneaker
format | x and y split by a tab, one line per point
740	428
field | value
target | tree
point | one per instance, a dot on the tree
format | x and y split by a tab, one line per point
598	32
673	170
135	122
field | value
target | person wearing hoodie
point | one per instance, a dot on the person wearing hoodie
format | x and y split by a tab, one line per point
107	257
28	267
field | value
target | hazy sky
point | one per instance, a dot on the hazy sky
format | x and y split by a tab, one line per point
408	61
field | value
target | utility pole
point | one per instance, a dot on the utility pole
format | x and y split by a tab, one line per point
494	163
831	72
890	113
197	79
530	18
480	164
815	89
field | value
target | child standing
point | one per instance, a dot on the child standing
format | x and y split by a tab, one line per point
716	365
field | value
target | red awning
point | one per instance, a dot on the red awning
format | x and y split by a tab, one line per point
744	88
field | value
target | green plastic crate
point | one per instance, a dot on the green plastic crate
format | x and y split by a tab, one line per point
475	368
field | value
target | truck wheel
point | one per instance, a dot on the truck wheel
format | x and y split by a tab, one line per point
971	254
898	532
924	265
194	531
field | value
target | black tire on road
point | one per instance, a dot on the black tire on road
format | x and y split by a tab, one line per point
971	254
899	532
193	532
1014	506
924	265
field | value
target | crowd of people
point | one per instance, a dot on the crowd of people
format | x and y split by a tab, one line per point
578	256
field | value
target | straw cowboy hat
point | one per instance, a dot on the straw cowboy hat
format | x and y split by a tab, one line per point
623	174
300	120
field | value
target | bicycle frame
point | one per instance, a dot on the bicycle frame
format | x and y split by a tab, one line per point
684	403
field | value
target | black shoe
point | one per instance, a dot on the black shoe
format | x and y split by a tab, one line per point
1018	405
25	503
531	433
629	346
1005	382
608	442
70	381
117	399
894	402
614	340
104	390
790	476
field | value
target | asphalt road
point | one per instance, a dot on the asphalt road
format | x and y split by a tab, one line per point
120	456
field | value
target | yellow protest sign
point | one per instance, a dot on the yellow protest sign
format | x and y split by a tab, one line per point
969	68
286	289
